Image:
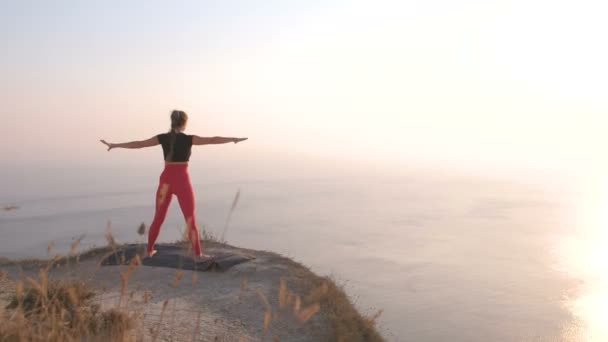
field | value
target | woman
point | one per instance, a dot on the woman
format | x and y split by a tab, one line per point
175	179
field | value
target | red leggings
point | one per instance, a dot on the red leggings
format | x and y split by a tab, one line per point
175	179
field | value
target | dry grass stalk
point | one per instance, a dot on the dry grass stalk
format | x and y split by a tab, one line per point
194	278
283	294
310	311
50	248
267	318
234	203
110	237
370	321
147	296
126	276
74	246
177	279
268	314
111	242
141	230
264	299
19	290
73	296
287	297
160	320
318	293
297	305
207	235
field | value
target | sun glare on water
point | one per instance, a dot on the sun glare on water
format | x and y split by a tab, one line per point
584	256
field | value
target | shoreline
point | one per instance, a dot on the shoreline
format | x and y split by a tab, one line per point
268	297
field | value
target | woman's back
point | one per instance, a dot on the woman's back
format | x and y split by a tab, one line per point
181	149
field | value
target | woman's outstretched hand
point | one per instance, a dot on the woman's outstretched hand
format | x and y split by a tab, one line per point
237	140
110	146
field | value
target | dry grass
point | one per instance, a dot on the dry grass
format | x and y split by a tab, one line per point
60	311
45	310
331	301
349	325
232	207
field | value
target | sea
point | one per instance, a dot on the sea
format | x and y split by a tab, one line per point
445	256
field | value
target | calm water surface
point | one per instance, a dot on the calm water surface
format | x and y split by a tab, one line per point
446	258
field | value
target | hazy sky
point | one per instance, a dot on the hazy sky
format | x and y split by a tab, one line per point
486	82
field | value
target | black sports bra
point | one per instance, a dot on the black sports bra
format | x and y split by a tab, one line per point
182	147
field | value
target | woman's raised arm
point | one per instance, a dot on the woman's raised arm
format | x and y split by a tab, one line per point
133	144
196	140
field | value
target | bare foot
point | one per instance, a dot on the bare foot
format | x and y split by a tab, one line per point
202	257
150	254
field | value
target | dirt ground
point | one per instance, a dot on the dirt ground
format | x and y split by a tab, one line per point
244	303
